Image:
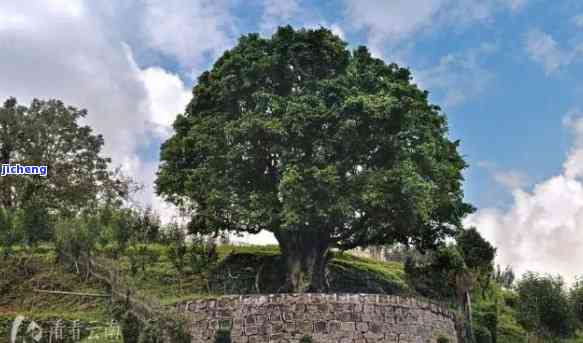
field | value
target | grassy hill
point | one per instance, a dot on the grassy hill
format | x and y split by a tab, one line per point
24	276
256	269
239	270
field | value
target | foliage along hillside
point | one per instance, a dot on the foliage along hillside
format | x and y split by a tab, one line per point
254	269
25	272
238	270
257	269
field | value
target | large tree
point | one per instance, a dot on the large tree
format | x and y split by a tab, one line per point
321	146
49	133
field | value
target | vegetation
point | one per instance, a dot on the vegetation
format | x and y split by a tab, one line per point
543	306
24	274
326	148
321	146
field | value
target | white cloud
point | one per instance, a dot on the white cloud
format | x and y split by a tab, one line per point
189	30
516	4
391	20
289	12
276	13
544	49
62	49
459	76
167	97
395	21
541	231
578	20
511	179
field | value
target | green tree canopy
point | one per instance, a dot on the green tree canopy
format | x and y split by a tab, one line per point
321	146
543	306
49	133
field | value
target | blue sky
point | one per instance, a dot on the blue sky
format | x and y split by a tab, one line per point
509	119
506	72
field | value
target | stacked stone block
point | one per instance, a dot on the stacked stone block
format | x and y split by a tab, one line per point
327	318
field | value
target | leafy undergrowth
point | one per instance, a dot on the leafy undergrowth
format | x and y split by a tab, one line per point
495	310
25	272
498	305
253	269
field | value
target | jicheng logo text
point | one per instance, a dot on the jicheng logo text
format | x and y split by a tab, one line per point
17	169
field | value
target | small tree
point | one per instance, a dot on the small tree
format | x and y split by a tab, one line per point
177	248
576	298
203	254
122	226
477	252
543	306
36	224
504	278
48	133
10	230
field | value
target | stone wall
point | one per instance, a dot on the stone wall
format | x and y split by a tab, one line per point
345	318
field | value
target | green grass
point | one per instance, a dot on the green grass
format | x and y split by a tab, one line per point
238	267
31	269
235	273
388	271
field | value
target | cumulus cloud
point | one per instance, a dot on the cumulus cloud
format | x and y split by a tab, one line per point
166	97
188	30
578	20
394	21
541	230
276	13
61	49
542	48
283	12
460	76
508	178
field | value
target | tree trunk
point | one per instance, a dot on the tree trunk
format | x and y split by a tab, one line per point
305	255
468	313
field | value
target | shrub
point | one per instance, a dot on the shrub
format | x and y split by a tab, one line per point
490	322
150	333
130	328
177	246
306	339
203	254
576	299
10	232
442	339
544	307
482	335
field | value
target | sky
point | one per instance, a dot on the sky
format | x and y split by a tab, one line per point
506	72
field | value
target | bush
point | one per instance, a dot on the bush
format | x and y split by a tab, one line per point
483	335
306	339
203	255
130	328
75	236
10	232
490	322
442	339
544	307
576	299
177	250
150	333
